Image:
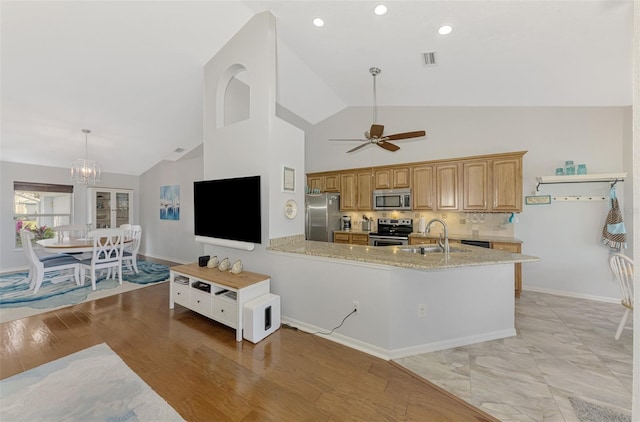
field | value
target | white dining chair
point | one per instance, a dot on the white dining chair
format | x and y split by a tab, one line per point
70	231
622	268
39	266
130	253
106	254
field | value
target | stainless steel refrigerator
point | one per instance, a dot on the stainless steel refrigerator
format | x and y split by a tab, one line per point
322	216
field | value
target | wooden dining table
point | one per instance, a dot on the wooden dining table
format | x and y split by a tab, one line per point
66	245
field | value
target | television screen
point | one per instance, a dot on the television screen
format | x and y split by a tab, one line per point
228	209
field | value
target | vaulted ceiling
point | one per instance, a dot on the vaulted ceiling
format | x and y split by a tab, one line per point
132	72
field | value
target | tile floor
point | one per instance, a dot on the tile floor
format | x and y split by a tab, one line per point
564	348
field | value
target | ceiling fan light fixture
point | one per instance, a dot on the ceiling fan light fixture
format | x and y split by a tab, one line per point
380	10
83	170
319	22
445	29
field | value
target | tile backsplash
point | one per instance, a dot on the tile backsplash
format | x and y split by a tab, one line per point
483	224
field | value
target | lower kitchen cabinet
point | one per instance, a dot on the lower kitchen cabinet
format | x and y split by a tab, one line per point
351	238
514	248
218	295
421	241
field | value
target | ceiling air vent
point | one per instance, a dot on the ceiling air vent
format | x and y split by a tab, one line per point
429	59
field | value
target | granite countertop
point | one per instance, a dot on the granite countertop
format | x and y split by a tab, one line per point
461	255
457	236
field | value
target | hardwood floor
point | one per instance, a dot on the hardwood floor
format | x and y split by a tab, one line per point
198	367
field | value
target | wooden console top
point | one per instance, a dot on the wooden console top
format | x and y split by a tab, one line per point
225	278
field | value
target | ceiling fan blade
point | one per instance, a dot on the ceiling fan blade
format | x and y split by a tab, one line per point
388	146
358	147
405	135
376	131
350	139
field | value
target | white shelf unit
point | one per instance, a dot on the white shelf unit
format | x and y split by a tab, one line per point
218	295
612	178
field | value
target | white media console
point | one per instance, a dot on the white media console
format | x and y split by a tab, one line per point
216	294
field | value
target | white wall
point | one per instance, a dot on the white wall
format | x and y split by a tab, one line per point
566	236
169	239
12	259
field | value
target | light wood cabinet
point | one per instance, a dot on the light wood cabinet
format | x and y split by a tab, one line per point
423	188
351	238
514	248
493	184
475	185
348	192
326	183
506	184
487	183
315	182
421	241
447	187
392	178
364	201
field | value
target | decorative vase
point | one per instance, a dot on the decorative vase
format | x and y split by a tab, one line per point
213	262
236	268
224	265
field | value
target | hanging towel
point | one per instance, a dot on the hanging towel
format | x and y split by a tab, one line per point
614	234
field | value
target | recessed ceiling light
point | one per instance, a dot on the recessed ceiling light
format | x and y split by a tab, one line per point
318	22
380	10
445	29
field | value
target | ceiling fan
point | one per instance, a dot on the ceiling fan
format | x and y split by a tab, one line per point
375	134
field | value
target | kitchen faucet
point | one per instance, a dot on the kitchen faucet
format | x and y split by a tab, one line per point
445	246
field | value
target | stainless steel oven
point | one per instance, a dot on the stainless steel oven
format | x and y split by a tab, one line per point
391	232
388	241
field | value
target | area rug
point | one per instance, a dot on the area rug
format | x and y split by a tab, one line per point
91	385
17	301
591	412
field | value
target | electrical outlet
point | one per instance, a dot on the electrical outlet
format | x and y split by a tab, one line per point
356	305
422	310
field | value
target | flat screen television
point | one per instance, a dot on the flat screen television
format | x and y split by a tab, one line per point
228	209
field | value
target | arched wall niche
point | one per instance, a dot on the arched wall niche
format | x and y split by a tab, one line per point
233	96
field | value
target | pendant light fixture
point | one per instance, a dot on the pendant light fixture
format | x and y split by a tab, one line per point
83	170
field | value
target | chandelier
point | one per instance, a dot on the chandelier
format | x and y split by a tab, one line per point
83	170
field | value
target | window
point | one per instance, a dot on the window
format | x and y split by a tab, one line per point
39	207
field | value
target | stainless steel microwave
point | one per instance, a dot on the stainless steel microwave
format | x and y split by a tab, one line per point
392	199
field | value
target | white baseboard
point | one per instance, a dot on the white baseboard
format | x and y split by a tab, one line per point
450	344
572	294
386	354
367	348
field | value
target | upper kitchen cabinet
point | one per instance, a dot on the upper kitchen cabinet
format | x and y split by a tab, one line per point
364	191
325	182
493	184
348	191
475	185
506	184
109	208
423	188
392	178
447	187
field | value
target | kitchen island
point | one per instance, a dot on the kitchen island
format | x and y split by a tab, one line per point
408	303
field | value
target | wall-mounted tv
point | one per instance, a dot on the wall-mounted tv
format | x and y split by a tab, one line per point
228	209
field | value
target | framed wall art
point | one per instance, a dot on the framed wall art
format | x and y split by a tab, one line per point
288	179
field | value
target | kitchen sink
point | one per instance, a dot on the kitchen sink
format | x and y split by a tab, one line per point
431	249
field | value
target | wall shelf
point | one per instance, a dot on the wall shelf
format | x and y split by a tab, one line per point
612	178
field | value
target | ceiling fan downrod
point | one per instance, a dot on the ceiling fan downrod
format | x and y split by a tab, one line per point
375	71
